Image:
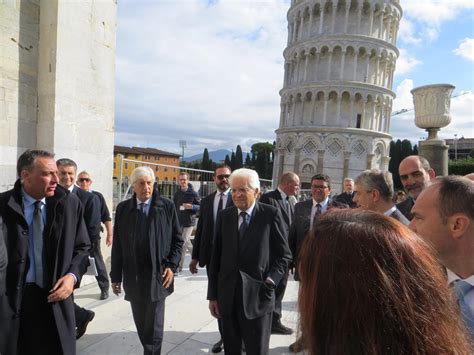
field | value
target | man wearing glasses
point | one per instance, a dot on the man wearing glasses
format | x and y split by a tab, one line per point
211	205
306	214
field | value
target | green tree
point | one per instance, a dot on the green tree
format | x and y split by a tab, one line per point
206	163
239	160
248	161
232	161
261	153
227	160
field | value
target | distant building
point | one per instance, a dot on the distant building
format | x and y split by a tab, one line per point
460	147
146	155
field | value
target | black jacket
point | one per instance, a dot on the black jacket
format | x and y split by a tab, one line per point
275	199
165	245
406	206
244	265
66	246
91	208
3	259
204	238
187	218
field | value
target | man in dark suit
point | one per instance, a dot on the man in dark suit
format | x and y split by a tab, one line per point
250	256
306	214
47	246
347	194
415	174
145	254
204	238
67	169
284	199
374	192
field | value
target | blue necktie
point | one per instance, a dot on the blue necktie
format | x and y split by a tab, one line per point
461	289
38	227
244	224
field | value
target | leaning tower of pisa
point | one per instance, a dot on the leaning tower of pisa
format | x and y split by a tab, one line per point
337	94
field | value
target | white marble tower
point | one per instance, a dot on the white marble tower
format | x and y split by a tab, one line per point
337	94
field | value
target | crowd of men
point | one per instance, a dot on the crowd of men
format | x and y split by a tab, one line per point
248	242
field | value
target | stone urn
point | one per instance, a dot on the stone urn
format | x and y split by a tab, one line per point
432	103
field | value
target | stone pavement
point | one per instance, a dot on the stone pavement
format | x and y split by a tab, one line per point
189	327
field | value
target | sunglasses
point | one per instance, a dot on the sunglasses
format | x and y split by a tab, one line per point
84	180
222	177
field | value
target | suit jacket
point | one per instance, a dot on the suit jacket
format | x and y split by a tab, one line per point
346	198
3	259
301	225
400	217
66	246
274	198
91	207
204	237
406	206
243	265
166	243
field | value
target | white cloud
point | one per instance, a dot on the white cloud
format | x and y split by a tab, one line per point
423	18
466	49
406	62
188	67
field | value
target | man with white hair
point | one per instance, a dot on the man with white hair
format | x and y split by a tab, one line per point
145	254
250	256
374	191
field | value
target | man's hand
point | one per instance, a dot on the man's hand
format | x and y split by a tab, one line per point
109	240
193	266
187	206
117	288
167	277
214	308
62	289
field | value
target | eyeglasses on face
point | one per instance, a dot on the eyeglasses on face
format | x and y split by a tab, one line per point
222	177
242	190
84	179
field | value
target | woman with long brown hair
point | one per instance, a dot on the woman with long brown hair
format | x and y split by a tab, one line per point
371	286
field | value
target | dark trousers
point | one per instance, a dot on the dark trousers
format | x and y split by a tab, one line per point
279	294
149	319
254	333
80	313
38	331
102	278
219	321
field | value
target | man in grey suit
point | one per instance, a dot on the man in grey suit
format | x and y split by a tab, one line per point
374	191
306	213
249	258
211	205
283	198
443	215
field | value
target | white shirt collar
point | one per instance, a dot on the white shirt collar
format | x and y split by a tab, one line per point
323	203
390	211
454	277
147	202
70	188
249	211
225	193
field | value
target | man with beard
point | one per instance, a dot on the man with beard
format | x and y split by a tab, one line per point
415	174
211	205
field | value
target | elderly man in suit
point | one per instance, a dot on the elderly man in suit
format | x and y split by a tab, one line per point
211	205
47	246
443	215
347	194
249	258
415	174
374	192
145	254
67	170
283	198
306	214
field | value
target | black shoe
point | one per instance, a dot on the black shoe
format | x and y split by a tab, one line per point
278	328
297	346
104	294
81	328
217	348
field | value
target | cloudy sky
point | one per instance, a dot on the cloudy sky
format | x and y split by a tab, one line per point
209	71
